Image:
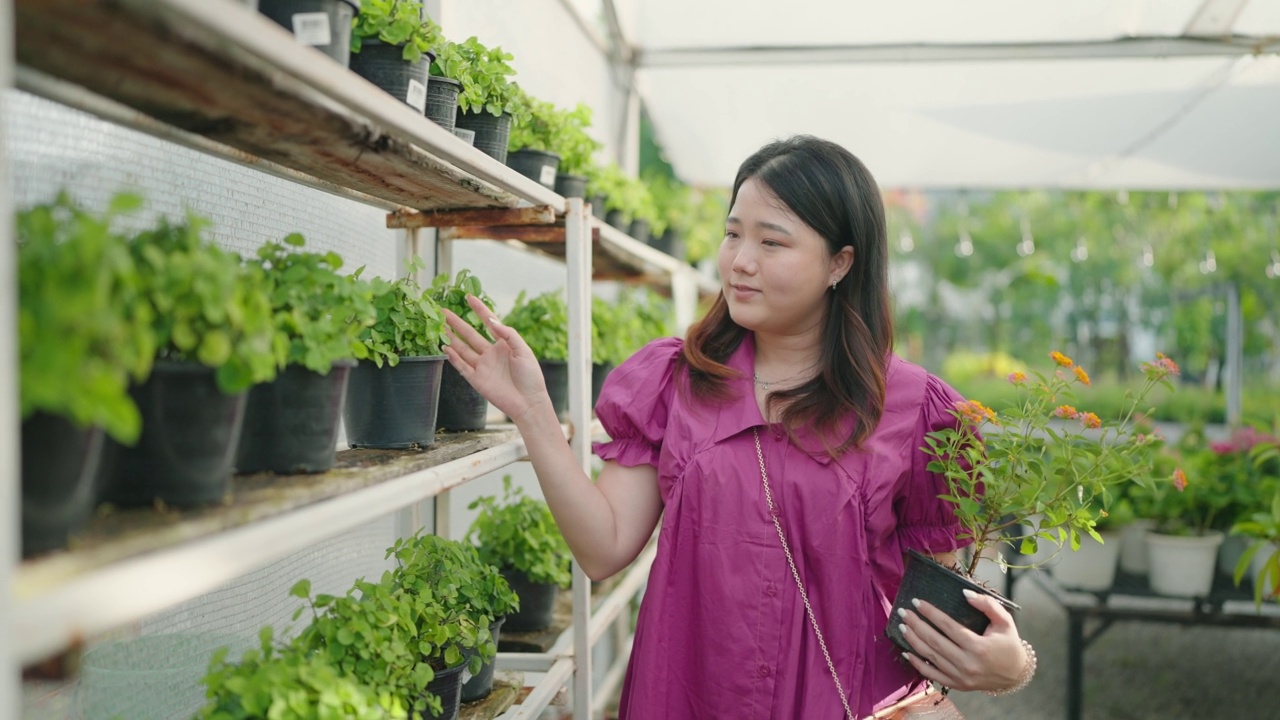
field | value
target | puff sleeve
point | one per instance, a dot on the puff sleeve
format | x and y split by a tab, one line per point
635	402
926	522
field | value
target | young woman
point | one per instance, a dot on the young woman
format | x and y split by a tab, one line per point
785	403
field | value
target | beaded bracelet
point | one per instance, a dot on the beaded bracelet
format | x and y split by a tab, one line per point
1024	679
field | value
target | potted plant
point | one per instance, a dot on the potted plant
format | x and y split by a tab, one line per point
543	322
519	536
391	47
291	423
1261	558
577	150
1003	470
83	334
490	102
393	396
609	343
461	407
444	87
322	24
646	220
279	683
215	337
673	206
531	146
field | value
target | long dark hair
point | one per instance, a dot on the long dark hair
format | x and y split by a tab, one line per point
832	192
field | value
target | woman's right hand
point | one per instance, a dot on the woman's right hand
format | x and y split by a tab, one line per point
505	372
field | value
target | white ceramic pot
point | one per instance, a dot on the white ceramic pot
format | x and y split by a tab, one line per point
1133	546
1233	546
1182	566
1093	566
1255	572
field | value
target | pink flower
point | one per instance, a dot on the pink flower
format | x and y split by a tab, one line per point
1017	378
1090	420
1179	479
1066	412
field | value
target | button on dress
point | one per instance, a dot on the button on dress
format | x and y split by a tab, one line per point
722	631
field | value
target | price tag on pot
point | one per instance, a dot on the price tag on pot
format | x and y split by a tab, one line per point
548	176
416	95
312	28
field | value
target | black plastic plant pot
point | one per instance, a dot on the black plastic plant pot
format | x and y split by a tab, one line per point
59	480
187	450
618	219
537	602
393	407
597	206
639	230
536	165
442	101
291	423
556	374
669	242
599	371
481	684
447	685
462	408
322	24
492	132
943	588
384	65
571	186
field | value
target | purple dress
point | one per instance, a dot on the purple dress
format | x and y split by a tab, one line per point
722	631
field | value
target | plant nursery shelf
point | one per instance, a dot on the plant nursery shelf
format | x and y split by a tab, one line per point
220	71
130	563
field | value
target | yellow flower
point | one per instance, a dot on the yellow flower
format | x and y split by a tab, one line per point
975	412
1017	378
1081	375
1090	420
1061	359
1066	412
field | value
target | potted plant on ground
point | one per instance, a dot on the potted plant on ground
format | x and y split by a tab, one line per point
393	396
291	423
519	536
1003	470
322	24
279	683
391	47
543	322
490	102
216	338
461	407
83	334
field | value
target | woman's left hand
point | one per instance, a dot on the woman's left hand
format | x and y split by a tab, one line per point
959	658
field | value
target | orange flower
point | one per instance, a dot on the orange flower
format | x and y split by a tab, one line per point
1017	378
975	412
1167	364
1090	420
1066	412
1179	479
1081	375
1061	359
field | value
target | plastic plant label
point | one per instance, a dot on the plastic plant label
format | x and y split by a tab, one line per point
312	28
547	176
416	96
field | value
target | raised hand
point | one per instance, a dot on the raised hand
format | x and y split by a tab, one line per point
505	372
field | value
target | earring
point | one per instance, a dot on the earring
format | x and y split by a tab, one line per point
833	284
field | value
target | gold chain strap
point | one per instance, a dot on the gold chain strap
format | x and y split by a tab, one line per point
768	496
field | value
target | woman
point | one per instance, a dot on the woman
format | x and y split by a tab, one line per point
789	380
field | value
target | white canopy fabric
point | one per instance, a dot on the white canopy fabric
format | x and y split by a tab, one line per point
1150	94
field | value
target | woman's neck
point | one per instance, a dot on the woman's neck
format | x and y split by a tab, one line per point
778	355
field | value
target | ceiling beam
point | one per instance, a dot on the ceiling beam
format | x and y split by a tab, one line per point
1130	47
1215	18
588	30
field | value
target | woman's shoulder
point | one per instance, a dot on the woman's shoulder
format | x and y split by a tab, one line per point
911	388
657	357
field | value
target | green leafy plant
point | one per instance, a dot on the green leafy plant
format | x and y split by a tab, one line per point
485	74
673	205
318	311
543	322
1025	467
643	316
284	684
408	321
83	329
452	296
563	132
396	22
207	305
519	533
609	343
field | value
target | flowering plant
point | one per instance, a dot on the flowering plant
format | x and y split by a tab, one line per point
1041	457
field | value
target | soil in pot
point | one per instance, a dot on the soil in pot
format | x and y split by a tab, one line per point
187	450
481	684
323	24
462	408
59	480
571	186
492	132
942	587
442	101
291	423
537	602
447	685
556	374
393	407
384	65
536	165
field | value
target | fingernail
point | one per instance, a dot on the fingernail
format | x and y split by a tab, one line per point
970	594
902	629
906	656
915	602
902	612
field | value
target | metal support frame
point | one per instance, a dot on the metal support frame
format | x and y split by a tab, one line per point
10	465
1234	385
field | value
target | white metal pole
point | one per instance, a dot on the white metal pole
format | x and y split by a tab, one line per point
10	467
578	260
1235	357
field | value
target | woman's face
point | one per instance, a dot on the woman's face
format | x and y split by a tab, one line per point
776	270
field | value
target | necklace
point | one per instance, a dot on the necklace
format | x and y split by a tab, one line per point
766	384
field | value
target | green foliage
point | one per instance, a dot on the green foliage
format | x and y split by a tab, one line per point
609	343
628	195
396	22
284	684
963	366
642	316
408	323
452	296
485	74
318	311
83	329
543	322
706	227
1024	465
207	305
1264	528
672	205
519	533
563	132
